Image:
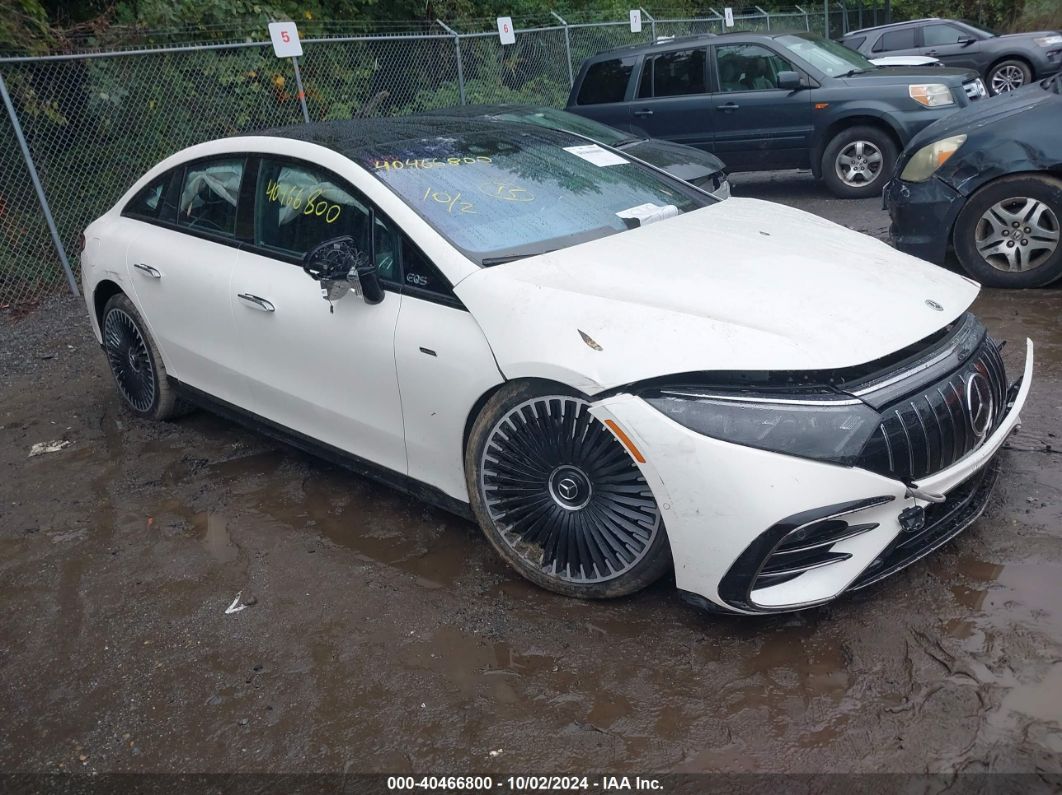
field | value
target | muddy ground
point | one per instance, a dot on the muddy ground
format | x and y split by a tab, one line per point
382	635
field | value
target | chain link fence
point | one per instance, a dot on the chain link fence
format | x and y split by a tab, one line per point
94	122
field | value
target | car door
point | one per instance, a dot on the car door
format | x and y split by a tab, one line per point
941	40
179	263
322	369
671	99
757	125
903	41
604	92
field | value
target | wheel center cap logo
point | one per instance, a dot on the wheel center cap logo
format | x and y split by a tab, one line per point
568	488
979	404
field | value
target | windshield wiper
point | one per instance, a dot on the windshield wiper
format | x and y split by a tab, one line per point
858	71
486	262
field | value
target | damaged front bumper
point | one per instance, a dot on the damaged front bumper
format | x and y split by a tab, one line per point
753	531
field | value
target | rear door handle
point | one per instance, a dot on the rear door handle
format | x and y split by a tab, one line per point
931	52
256	302
729	106
644	112
148	270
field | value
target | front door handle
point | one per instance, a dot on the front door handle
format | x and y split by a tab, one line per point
931	52
729	106
643	112
256	302
148	270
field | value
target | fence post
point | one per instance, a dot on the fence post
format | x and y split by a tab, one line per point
807	22
844	17
567	48
768	16
38	188
652	21
720	19
302	93
826	18
460	68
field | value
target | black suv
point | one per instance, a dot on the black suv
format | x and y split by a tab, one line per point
1005	62
765	101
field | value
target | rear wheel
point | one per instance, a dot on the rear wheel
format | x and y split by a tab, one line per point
1007	76
560	498
136	364
858	161
1008	234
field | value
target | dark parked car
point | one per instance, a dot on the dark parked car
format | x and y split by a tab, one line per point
765	101
987	181
695	166
1005	62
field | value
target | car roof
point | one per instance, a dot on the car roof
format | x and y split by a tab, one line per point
662	45
475	111
350	136
893	25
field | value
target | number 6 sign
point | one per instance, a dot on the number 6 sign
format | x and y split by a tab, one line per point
285	38
505	30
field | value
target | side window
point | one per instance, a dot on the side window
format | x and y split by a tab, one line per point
896	40
209	195
749	67
148	202
385	245
421	274
298	206
673	74
606	81
933	35
855	43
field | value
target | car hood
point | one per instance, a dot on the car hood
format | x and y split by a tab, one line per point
978	114
740	285
906	75
679	160
1026	34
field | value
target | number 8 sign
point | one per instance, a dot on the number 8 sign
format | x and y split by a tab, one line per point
505	30
285	37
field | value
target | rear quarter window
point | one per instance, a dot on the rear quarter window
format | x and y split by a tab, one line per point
855	42
606	81
896	40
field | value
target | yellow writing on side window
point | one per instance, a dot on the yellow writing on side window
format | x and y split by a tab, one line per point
291	196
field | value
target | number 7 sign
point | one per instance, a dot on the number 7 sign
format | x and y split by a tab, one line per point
285	38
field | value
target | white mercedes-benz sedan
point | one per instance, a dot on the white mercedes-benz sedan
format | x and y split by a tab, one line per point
610	371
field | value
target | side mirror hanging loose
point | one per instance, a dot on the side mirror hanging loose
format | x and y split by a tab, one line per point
340	268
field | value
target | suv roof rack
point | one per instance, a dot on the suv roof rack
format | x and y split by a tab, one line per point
891	25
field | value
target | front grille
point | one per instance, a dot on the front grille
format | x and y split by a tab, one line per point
975	89
927	432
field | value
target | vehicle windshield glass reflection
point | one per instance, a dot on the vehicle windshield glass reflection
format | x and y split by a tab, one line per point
569	122
505	195
829	56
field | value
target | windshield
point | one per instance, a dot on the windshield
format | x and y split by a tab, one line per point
568	122
827	56
521	191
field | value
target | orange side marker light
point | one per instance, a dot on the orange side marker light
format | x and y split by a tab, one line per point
625	440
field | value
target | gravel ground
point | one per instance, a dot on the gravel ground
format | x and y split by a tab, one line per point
382	635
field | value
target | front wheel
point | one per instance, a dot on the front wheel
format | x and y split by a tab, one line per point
857	162
1007	234
1007	76
559	497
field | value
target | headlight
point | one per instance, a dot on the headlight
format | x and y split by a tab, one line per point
1048	41
823	428
929	158
932	95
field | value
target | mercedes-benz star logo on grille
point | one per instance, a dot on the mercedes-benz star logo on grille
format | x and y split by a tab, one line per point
979	403
568	488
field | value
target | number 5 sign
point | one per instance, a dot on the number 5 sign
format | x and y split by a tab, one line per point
285	38
505	30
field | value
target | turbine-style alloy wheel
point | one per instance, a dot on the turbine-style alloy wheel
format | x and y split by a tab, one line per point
134	372
563	501
136	363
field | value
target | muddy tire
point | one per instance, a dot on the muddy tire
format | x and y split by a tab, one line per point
559	497
136	364
1007	75
858	161
1008	233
